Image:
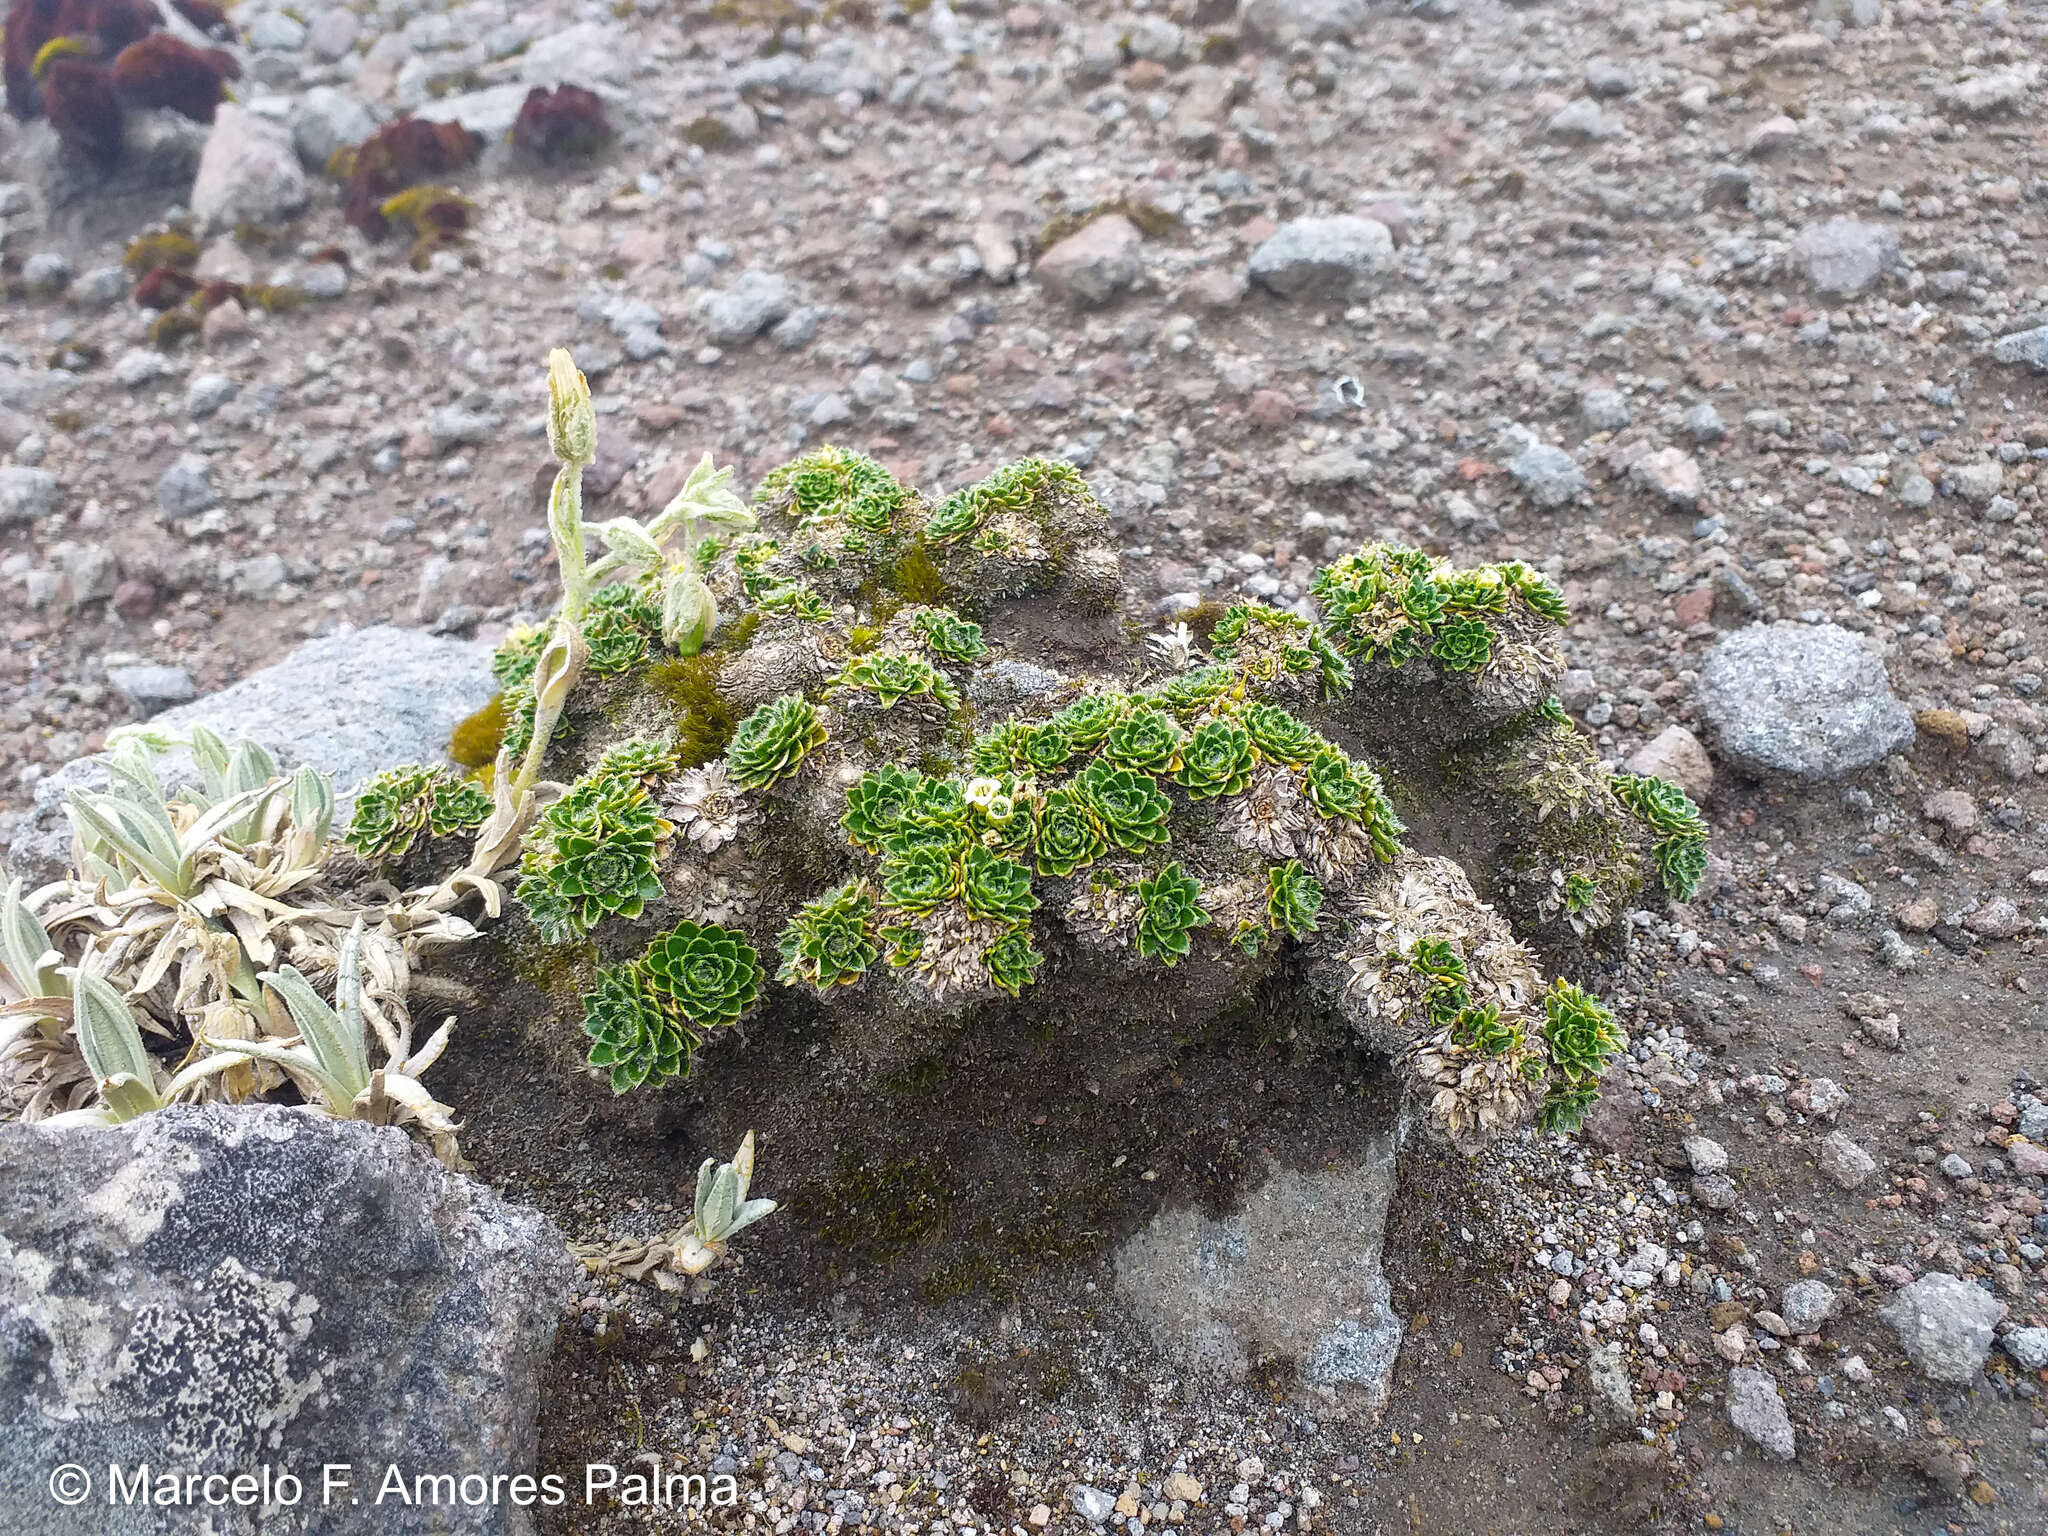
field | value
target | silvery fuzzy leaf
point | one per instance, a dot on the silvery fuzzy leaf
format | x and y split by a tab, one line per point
26	954
108	824
706	1171
210	752
313	802
629	541
337	1054
108	1038
716	1219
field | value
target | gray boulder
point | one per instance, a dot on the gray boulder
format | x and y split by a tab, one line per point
1614	1398
1755	1408
248	174
2028	347
2028	1348
1548	475
185	488
326	119
1293	1274
1844	256
214	1290
351	704
151	689
755	301
1315	21
597	55
159	153
1322	258
1845	1162
1807	1304
1944	1324
1805	699
489	113
1095	263
26	495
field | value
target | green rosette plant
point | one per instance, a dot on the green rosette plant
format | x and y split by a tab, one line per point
936	816
390	813
1170	909
1217	760
615	877
1131	808
949	636
875	805
634	1040
1263	642
1680	850
1581	890
1146	740
1068	833
1480	1027
591	856
1582	1038
794	599
1470	593
1293	898
829	943
1013	487
1001	750
1088	719
1012	962
704	973
953	519
620	625
1422	603
637	760
1279	737
1045	747
837	485
920	878
995	888
513	662
891	677
396	806
598	805
773	741
1463	645
1193	692
1334	786
1535	589
1448	995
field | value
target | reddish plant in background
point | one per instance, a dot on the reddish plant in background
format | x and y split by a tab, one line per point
163	71
404	152
78	96
206	16
163	287
567	121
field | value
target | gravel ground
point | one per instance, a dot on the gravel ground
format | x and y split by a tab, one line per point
1722	316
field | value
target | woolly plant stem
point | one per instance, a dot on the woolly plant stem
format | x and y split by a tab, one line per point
565	516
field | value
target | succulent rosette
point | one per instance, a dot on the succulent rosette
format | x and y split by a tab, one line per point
773	741
707	974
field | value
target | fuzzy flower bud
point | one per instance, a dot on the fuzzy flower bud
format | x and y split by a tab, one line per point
689	613
572	421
